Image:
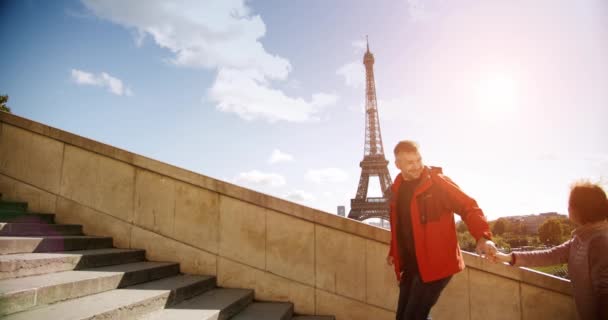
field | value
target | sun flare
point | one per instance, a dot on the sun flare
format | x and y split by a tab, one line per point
496	95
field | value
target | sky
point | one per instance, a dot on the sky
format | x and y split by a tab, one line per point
510	98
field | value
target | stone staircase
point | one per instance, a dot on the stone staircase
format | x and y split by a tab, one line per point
53	271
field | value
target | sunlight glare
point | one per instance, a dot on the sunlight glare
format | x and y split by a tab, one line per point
496	95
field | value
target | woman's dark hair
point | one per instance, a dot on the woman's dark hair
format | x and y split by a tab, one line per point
588	202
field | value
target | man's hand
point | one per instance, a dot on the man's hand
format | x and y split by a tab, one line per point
486	248
390	261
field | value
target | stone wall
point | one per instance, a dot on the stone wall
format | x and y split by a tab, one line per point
323	263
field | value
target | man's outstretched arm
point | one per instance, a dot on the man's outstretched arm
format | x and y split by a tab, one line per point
467	208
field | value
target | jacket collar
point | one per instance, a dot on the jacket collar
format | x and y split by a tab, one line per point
425	180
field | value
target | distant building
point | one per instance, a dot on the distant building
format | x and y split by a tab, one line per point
380	223
341	211
532	222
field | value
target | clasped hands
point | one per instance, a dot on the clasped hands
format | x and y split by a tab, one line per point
487	249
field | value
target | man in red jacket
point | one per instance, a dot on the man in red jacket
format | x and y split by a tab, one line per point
424	248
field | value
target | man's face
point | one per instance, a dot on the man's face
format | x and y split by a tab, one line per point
410	164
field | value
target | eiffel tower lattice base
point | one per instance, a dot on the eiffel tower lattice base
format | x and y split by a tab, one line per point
363	207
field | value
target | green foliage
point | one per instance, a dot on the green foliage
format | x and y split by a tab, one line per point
533	241
559	270
567	227
510	233
502	243
3	101
466	241
500	226
517	227
461	227
550	232
515	240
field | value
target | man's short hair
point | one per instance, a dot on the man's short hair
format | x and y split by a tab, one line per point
588	201
406	146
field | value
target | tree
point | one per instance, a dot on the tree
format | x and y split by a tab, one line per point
3	101
516	241
466	241
550	232
461	227
500	226
567	227
518	227
502	243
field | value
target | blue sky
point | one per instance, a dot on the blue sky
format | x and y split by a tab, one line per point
509	97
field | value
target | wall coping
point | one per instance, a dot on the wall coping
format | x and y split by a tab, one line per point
257	198
266	201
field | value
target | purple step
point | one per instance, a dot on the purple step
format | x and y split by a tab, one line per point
39	229
21	217
10	245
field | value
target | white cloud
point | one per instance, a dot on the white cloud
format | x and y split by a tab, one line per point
221	35
255	178
322	100
83	77
207	34
326	175
359	46
328	194
300	196
279	156
246	93
353	73
113	84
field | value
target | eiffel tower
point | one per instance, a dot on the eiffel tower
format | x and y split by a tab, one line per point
374	163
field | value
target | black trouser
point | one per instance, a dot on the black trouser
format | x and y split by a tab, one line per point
416	298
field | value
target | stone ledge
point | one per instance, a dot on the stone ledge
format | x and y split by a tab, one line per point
525	275
228	189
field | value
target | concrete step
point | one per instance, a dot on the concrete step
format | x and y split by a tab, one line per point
313	318
216	304
10	245
25	293
13	205
21	217
266	311
39	229
127	303
28	264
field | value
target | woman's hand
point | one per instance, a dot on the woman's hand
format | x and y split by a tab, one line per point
503	257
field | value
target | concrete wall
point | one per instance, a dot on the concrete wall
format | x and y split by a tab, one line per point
323	263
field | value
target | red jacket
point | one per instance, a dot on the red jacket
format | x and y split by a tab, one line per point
434	202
